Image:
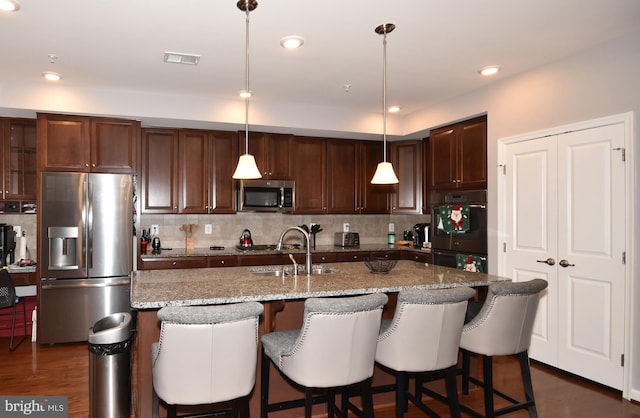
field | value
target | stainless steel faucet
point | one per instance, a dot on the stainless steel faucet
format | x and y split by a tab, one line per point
307	264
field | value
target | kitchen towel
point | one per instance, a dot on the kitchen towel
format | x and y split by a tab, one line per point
454	219
469	263
21	248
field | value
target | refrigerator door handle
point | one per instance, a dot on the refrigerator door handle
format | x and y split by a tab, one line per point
69	284
89	223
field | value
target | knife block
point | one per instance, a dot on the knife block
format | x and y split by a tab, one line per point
189	244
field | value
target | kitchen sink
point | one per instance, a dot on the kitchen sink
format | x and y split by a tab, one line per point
281	271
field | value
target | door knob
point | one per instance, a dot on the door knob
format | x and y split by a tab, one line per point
565	263
550	261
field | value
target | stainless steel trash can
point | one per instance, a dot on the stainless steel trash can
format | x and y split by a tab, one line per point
110	367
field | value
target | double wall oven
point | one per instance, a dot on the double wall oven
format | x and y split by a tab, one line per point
448	246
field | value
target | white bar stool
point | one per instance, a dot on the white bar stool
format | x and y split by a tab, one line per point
423	337
206	355
334	349
502	327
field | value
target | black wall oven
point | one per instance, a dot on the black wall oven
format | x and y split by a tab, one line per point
448	246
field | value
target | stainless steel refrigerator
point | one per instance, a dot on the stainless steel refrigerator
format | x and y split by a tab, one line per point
86	234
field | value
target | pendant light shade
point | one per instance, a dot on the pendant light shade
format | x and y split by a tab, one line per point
384	173
247	168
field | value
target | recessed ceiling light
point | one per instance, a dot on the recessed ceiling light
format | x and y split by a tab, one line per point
292	42
9	6
180	58
489	70
393	109
51	76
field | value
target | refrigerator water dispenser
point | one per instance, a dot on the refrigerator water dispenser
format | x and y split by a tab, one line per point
63	243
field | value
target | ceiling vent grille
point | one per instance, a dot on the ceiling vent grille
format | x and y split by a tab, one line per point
180	58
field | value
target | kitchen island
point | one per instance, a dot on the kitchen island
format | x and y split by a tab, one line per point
281	295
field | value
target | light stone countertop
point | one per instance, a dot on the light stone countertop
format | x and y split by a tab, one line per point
153	289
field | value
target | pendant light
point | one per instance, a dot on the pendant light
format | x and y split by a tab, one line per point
384	173
247	168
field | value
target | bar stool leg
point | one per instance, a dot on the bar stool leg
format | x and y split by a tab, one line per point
526	382
487	370
465	371
402	386
452	391
264	384
308	402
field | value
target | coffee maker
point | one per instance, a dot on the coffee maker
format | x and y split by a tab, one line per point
7	245
420	234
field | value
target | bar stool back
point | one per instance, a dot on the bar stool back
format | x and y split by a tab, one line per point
206	355
423	336
502	327
335	348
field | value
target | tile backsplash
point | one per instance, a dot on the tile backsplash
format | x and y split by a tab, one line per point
266	228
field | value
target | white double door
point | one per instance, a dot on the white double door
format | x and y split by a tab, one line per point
565	222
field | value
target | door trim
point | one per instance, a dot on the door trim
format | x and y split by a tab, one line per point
631	380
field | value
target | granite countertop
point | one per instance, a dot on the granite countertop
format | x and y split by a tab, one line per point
206	252
153	289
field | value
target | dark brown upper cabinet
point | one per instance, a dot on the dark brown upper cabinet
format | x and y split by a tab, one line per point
406	157
458	155
159	185
18	143
273	153
87	144
310	173
188	171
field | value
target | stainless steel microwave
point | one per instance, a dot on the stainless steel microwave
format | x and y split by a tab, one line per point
266	195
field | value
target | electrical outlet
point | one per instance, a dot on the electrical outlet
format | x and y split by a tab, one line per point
345	227
208	228
154	230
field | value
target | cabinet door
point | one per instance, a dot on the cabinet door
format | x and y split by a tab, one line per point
194	171
426	176
342	176
114	145
279	150
472	151
159	168
310	172
443	163
63	142
272	153
18	137
225	157
406	157
373	197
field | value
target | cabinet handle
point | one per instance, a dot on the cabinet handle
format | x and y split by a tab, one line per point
222	262
86	165
93	165
174	263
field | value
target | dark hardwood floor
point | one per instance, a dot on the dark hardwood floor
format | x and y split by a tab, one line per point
63	370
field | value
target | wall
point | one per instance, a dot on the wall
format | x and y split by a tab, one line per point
599	82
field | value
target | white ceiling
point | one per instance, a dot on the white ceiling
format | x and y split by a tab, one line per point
432	56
